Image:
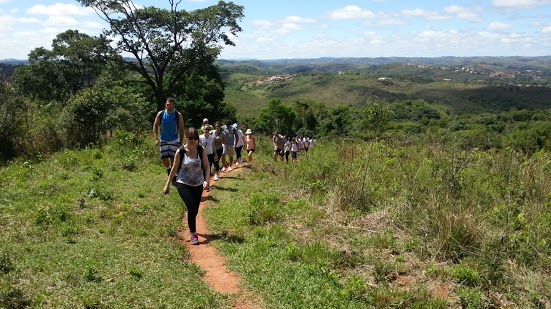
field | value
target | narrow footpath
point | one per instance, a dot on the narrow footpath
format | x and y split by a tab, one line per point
207	257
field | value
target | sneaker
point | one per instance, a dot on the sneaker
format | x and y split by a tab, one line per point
194	239
230	169
216	177
223	169
236	163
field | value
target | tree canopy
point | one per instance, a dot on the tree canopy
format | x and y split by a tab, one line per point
168	45
75	62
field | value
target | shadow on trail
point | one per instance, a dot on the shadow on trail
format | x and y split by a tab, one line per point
209	237
227	238
227	189
228	177
208	198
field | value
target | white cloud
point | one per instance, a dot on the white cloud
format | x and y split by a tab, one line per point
297	19
430	15
60	9
351	12
470	14
61	21
546	30
92	25
516	38
287	27
261	23
390	22
8	22
520	3
4	1
496	25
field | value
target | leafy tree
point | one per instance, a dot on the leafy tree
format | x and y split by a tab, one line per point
95	111
338	122
74	63
10	121
308	113
202	96
377	116
168	44
277	116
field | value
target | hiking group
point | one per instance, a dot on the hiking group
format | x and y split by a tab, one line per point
294	146
189	164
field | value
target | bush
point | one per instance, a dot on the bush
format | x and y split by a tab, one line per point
85	117
263	209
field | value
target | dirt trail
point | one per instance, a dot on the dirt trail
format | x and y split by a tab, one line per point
206	256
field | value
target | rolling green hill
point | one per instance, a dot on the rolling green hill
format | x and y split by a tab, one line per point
250	92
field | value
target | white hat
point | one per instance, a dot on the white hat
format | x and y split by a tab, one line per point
249	131
205	120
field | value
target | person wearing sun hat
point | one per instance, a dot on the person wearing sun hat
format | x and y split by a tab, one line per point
250	142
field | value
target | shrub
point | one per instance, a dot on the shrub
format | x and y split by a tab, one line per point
465	275
85	117
263	208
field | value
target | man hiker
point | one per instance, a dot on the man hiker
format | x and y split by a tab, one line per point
171	123
232	138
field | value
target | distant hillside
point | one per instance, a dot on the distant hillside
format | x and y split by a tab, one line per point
345	64
251	92
14	61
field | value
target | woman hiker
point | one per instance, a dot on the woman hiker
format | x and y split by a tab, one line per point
250	142
189	162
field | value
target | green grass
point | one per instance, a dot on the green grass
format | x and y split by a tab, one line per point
322	234
79	230
91	229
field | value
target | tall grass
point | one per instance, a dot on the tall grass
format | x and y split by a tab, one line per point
384	224
461	198
436	201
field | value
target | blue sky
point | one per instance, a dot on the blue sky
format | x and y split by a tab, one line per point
322	28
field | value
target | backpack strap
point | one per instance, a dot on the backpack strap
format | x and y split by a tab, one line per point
176	116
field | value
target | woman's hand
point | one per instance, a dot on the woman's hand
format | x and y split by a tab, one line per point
206	186
166	189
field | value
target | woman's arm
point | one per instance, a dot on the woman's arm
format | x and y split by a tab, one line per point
173	171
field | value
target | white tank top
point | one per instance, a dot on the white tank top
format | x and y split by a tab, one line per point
191	173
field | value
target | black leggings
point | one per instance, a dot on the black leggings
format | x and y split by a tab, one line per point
191	195
217	162
238	152
211	162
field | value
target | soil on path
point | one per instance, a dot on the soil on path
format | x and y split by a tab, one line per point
206	256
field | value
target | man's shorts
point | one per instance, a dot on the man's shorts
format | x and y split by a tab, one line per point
229	150
168	149
278	152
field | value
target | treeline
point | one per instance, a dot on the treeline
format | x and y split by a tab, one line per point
81	90
409	121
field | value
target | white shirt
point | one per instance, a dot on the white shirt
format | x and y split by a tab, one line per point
240	142
207	143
